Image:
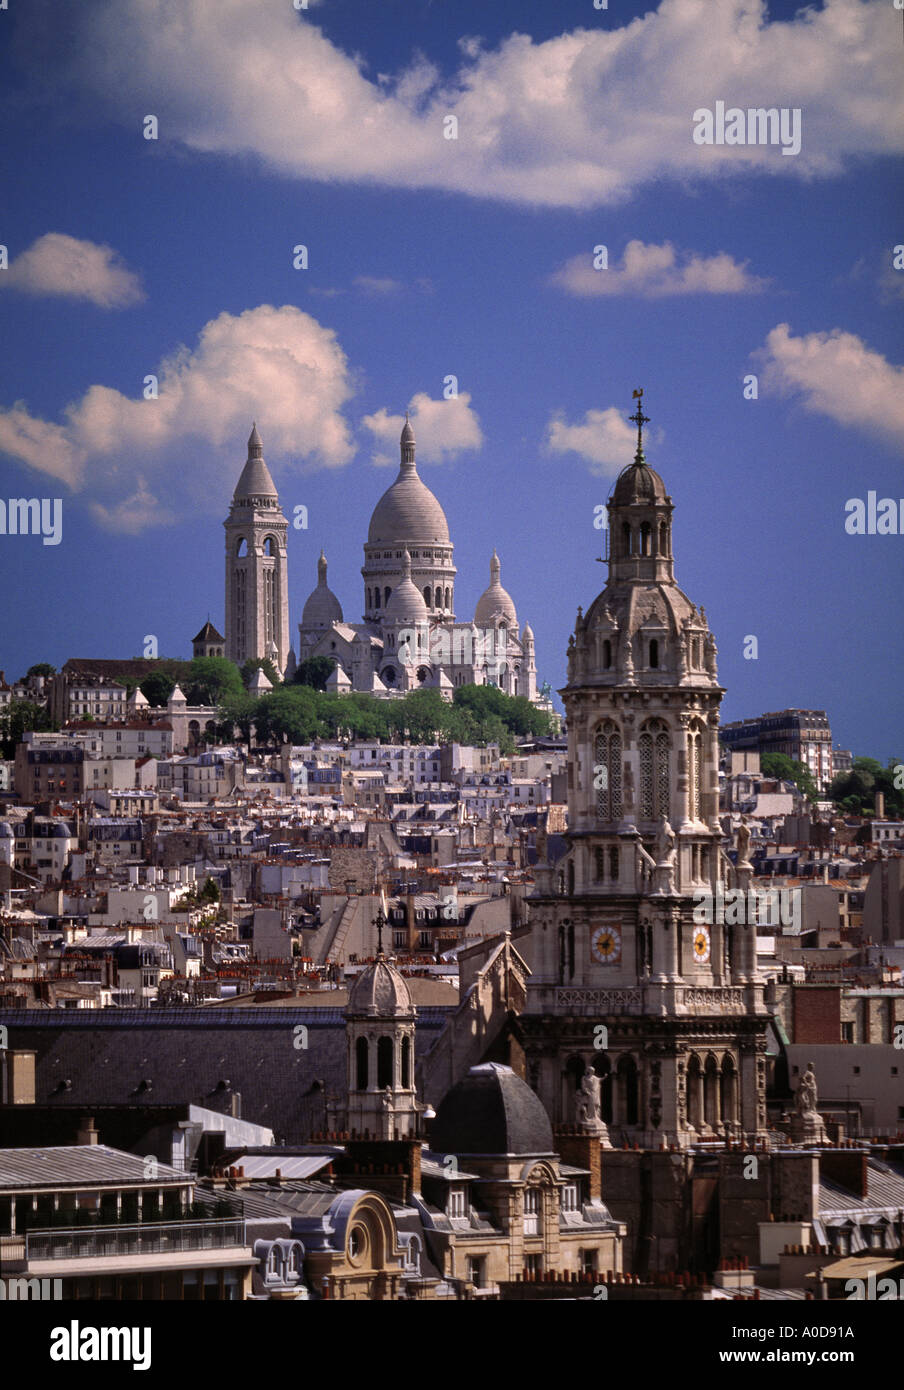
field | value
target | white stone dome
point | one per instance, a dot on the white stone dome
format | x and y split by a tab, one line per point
406	602
322	607
408	511
495	603
380	992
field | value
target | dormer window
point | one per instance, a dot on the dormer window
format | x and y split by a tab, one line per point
456	1205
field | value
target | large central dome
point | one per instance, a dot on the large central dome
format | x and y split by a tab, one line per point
408	511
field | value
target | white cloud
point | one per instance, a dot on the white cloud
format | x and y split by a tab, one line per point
377	284
62	265
578	120
837	375
656	271
442	428
603	439
277	365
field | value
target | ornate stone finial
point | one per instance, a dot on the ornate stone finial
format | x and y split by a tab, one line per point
255	446
640	419
495	568
407	441
321	569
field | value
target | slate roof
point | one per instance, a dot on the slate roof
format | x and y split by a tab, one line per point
491	1111
74	1166
200	1056
885	1192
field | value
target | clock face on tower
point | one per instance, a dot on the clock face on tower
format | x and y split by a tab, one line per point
605	945
701	945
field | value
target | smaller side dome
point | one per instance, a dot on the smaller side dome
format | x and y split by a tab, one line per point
322	608
492	1111
380	992
406	602
495	603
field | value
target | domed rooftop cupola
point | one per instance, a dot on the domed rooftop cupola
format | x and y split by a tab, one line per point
322	607
408	511
495	603
380	992
491	1111
640	518
406	602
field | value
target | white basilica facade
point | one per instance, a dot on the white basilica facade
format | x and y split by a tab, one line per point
408	636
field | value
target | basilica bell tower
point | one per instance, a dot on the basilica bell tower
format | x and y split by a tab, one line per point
257	588
666	1008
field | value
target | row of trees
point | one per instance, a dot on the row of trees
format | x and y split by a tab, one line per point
855	791
297	713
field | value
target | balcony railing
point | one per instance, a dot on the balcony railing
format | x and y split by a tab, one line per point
98	1242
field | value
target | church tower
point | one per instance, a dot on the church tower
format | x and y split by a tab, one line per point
379	1031
257	591
628	978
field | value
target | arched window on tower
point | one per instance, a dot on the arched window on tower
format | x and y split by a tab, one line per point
376	598
428	599
439	597
626	539
607	655
448	598
607	772
384	1064
654	746
241	548
386	592
654	652
644	538
361	1064
406	1063
663	538
270	546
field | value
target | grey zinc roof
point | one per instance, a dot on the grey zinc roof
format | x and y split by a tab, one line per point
79	1165
190	1054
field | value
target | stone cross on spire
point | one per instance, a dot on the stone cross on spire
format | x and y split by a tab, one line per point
640	420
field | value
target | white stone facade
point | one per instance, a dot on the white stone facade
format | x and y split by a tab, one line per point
409	636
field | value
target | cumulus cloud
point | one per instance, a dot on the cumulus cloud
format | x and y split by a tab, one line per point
61	265
603	439
565	121
656	271
837	375
278	365
442	428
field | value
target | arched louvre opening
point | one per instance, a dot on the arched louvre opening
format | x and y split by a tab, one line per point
654	746
361	1067
384	1063
607	772
695	773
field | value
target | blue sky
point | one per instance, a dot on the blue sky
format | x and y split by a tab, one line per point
430	257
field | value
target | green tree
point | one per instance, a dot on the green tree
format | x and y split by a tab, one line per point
785	769
314	672
208	679
259	663
41	668
210	892
158	687
235	711
289	714
18	717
